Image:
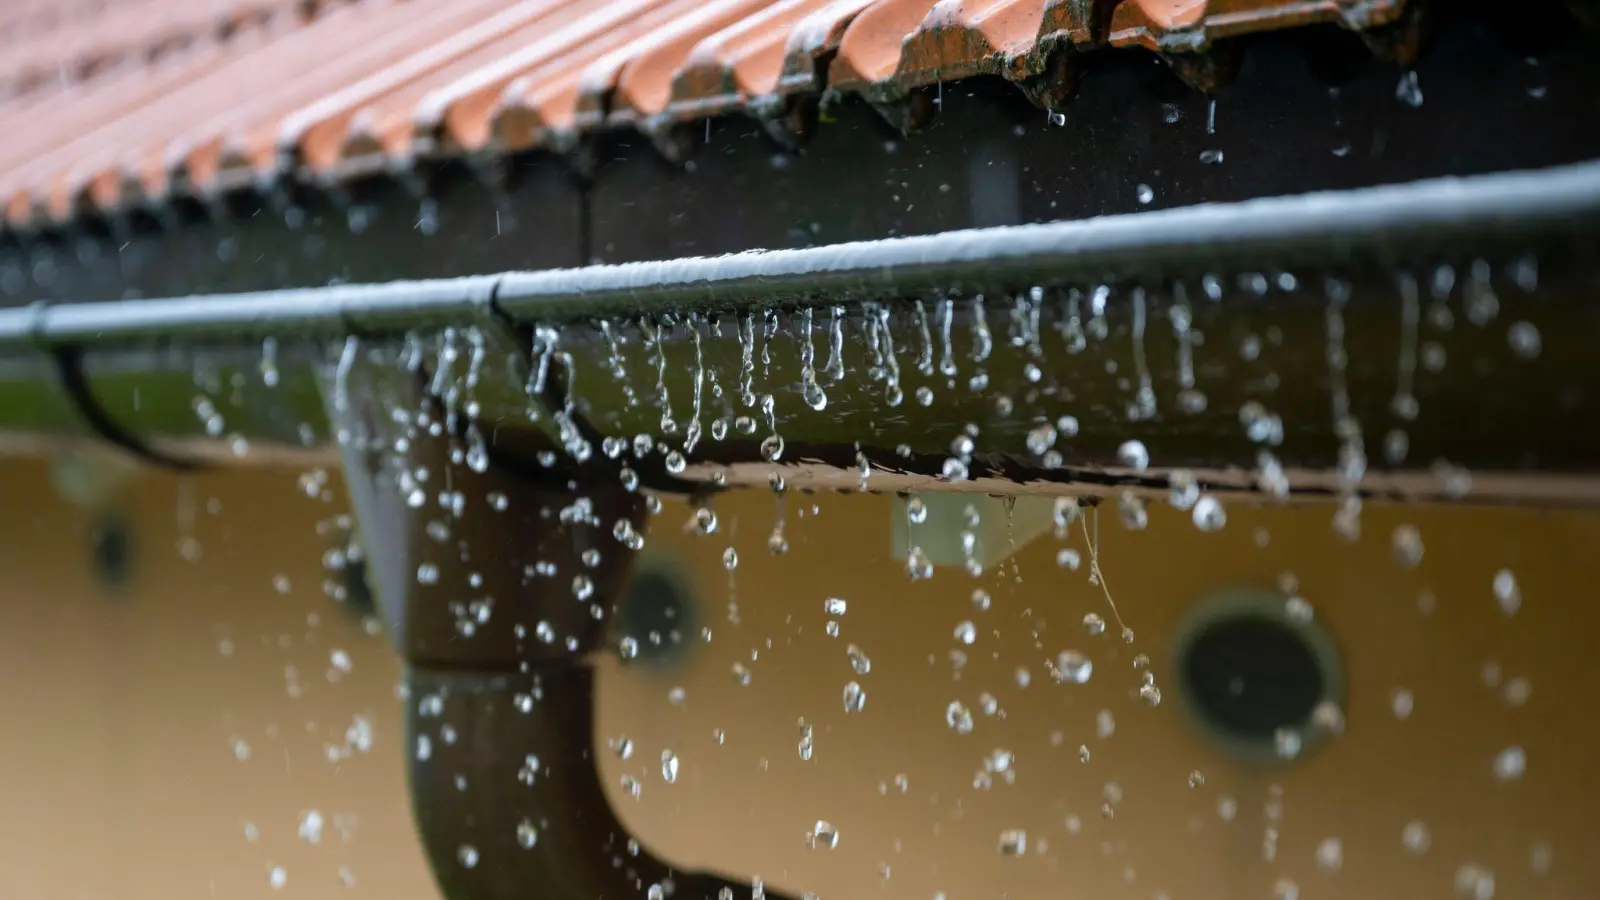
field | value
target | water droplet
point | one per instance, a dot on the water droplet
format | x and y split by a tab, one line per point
980	599
1298	609
1209	514
1285	889
1524	340
1211	157
467	855
1416	837
1068	558
1041	438
1150	694
527	835
1013	842
1409	90
705	520
1286	742
277	877
1407	546
772	448
1134	455
1475	882
427	573
1073	666
1510	763
1196	779
966	633
835	606
1506	592
854	697
1400	703
858	660
1093	624
1105	724
916	511
1131	511
730	559
823	835
628	647
669	766
958	717
676	463
1145	194
1330	854
741	675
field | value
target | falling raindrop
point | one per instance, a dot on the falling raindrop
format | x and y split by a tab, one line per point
958	717
1510	763
1408	546
1013	842
858	660
1416	837
1093	624
1073	666
467	855
823	835
854	697
966	633
669	767
1506	592
835	606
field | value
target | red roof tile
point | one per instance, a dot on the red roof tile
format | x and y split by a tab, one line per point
172	95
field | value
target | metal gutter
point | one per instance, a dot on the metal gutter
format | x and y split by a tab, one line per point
1388	223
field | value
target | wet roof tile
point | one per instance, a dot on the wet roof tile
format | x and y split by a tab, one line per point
164	96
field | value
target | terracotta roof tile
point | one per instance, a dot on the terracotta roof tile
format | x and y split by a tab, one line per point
1178	25
366	83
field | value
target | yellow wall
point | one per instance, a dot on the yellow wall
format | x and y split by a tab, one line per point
118	726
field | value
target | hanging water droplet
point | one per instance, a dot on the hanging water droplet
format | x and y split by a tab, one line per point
705	520
772	448
730	559
1134	455
628	647
1150	694
1131	511
676	463
1209	514
916	511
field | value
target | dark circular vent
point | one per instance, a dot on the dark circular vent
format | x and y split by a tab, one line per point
657	616
1248	671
